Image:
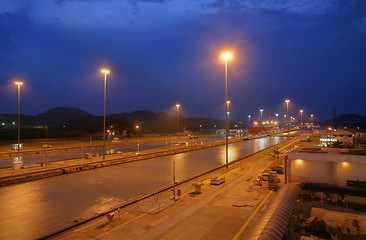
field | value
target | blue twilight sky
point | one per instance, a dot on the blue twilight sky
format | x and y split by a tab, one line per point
163	52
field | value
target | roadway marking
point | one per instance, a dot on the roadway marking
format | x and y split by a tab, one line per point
189	211
134	219
251	216
88	225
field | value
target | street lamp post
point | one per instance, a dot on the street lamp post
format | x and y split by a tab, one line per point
277	117
249	119
138	139
227	131
301	111
19	84
288	123
105	71
261	116
226	57
177	106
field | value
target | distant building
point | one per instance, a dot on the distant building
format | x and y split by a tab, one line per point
342	167
255	130
360	137
343	136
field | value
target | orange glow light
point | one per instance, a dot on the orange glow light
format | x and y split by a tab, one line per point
226	56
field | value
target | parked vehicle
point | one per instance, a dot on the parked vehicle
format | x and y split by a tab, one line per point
115	140
264	176
15	146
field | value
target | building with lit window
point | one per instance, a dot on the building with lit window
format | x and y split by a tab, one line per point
342	167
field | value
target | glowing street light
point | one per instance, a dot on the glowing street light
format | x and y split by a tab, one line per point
261	115
288	123
301	111
19	84
177	106
277	117
226	57
138	139
249	119
105	71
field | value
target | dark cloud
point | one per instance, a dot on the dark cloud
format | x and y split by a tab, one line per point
302	7
132	2
315	59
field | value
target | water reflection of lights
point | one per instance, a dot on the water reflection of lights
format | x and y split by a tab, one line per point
180	166
30	205
104	203
18	159
260	144
232	154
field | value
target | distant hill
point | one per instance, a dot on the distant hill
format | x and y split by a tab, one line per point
61	114
68	118
349	120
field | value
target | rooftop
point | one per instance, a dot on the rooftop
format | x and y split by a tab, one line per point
330	150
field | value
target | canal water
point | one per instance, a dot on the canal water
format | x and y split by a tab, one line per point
33	209
51	157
